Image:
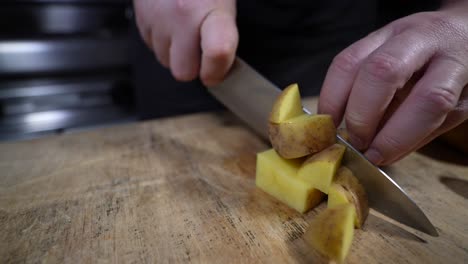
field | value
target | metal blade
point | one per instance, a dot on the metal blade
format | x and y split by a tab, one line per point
248	95
251	97
384	194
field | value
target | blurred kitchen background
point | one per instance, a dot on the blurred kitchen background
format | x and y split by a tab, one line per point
64	66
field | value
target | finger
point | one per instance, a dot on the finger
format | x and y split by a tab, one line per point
161	46
143	28
219	39
184	54
385	70
454	118
342	71
426	108
399	97
146	36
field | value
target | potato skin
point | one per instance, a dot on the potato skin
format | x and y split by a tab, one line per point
355	192
301	136
331	232
331	154
287	105
320	168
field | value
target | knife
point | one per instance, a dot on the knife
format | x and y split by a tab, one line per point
251	97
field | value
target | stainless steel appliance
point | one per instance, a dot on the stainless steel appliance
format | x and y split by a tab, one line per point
64	64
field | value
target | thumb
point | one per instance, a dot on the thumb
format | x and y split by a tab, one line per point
219	40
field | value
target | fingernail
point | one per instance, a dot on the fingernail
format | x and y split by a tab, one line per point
374	156
356	142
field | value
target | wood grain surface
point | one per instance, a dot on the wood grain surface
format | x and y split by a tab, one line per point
182	190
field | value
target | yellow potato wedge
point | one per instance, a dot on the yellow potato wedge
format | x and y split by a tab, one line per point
347	189
278	177
302	135
337	195
331	232
320	169
287	106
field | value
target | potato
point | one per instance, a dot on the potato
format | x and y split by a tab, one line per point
347	189
337	195
287	106
331	232
295	134
320	169
302	135
278	177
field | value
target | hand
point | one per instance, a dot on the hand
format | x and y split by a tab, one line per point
367	83
192	38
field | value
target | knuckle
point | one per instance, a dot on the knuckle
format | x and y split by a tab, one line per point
184	6
345	61
327	106
356	121
221	52
386	68
391	143
440	100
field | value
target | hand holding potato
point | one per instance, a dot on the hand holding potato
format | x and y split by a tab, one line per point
192	38
363	80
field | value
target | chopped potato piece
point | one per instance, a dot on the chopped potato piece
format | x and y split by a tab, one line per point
320	169
278	177
347	189
331	232
302	135
287	106
337	196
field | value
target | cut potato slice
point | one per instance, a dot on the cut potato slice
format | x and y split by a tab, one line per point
287	106
320	169
347	189
278	177
302	135
337	195
331	232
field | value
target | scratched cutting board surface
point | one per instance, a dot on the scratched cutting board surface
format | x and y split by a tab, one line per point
183	190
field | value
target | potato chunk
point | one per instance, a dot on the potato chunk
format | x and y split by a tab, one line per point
331	232
302	135
337	195
320	169
287	106
347	189
278	177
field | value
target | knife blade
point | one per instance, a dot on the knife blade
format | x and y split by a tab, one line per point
251	97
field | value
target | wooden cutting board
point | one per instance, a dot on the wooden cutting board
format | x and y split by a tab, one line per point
182	190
